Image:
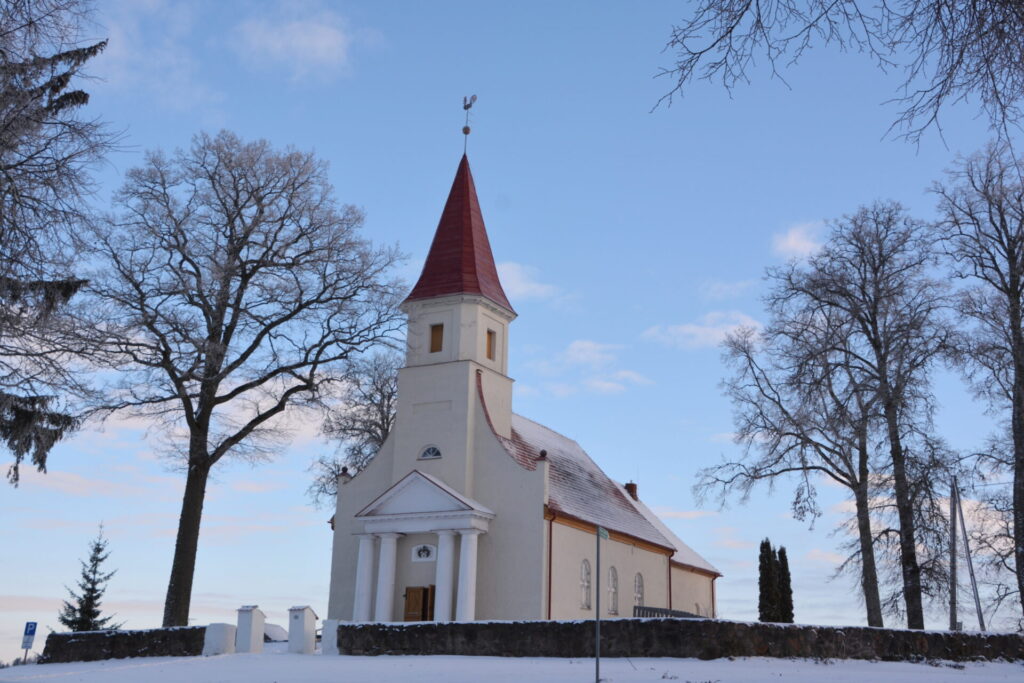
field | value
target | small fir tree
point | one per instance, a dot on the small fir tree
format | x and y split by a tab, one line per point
768	583
82	613
785	589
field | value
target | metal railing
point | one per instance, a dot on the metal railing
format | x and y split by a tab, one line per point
643	612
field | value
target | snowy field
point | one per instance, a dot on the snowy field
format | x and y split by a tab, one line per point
285	668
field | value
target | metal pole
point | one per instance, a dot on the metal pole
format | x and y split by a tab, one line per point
25	658
597	610
952	558
970	562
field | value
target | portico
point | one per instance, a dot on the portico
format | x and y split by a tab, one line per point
419	504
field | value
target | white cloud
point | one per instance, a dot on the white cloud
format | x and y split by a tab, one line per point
521	282
798	241
149	54
604	386
728	537
315	44
587	366
586	352
709	331
257	486
630	377
72	484
824	556
717	290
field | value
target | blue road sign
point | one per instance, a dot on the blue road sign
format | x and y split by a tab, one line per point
30	635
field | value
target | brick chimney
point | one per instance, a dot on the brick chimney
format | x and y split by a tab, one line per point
631	490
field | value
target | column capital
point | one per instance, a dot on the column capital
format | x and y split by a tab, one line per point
444	532
470	532
388	534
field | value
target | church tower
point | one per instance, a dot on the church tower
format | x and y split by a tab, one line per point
457	346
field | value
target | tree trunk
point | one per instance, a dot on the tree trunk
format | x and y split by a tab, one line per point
179	588
868	570
904	508
1017	431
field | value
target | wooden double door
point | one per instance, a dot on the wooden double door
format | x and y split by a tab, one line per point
419	603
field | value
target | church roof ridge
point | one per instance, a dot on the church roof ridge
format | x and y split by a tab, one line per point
460	260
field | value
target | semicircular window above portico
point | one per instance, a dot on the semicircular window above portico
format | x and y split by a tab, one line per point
430	452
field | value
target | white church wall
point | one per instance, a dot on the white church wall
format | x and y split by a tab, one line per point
571	545
513	553
692	592
432	404
353	497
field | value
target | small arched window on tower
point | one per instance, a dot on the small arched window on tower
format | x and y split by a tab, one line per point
613	591
585	585
638	590
430	453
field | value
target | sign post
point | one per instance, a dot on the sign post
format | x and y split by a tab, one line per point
27	638
601	533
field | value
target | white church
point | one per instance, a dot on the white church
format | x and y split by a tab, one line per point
470	511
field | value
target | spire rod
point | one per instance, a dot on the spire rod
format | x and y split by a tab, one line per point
467	104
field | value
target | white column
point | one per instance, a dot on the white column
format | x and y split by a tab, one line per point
364	578
445	578
465	609
385	606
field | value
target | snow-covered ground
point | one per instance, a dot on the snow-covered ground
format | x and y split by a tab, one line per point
285	668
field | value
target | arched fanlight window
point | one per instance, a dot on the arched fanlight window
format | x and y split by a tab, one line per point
638	590
613	591
585	585
430	452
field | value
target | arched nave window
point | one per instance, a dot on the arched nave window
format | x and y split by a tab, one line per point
638	590
613	591
585	585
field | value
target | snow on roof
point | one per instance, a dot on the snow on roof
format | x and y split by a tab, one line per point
578	488
274	633
684	554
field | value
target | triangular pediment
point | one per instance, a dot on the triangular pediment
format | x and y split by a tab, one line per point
418	493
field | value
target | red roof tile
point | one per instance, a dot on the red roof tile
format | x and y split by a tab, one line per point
460	259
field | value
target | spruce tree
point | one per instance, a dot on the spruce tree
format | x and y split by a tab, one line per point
83	612
47	151
768	583
785	589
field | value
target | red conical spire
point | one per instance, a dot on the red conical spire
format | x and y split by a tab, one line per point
460	259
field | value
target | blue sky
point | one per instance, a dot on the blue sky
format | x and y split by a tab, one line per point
629	241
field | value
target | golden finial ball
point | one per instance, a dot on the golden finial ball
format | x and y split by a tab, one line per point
465	130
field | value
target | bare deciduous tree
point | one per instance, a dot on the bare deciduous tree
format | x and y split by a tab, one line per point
873	272
800	413
360	421
46	153
857	329
948	50
233	288
982	209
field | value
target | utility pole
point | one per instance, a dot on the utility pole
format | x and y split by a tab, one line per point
953	626
967	552
601	533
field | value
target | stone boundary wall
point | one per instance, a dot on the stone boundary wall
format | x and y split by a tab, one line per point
87	646
700	638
